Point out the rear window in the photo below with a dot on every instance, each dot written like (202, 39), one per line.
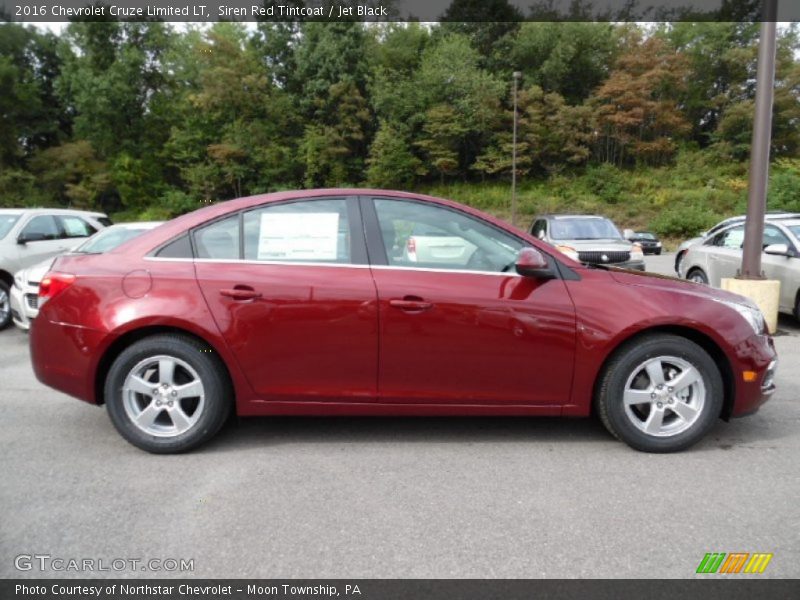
(7, 221)
(104, 221)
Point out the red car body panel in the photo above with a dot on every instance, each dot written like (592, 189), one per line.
(486, 339)
(312, 336)
(333, 340)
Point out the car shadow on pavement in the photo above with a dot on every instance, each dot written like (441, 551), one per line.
(245, 433)
(248, 432)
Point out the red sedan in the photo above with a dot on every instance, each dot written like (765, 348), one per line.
(368, 302)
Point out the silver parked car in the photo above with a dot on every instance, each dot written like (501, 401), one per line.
(590, 239)
(721, 256)
(31, 235)
(681, 251)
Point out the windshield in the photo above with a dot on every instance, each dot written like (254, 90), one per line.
(108, 239)
(7, 221)
(646, 236)
(584, 228)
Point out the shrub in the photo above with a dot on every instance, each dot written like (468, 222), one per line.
(684, 221)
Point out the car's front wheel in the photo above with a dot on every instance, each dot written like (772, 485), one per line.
(660, 393)
(168, 394)
(698, 276)
(5, 305)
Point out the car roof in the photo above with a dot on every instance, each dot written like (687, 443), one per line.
(572, 217)
(58, 211)
(136, 225)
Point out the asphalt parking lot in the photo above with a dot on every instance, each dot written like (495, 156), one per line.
(346, 497)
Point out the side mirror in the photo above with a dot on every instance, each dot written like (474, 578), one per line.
(777, 250)
(532, 263)
(24, 238)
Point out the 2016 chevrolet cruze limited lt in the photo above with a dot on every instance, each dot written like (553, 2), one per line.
(367, 302)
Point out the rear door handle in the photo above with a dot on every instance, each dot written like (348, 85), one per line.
(410, 304)
(240, 292)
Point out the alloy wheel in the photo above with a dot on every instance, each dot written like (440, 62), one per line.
(664, 396)
(163, 396)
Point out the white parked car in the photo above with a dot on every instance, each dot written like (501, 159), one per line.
(681, 251)
(721, 256)
(29, 236)
(24, 295)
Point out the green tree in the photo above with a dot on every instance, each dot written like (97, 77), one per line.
(391, 163)
(571, 59)
(31, 118)
(458, 94)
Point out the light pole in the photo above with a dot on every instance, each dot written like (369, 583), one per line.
(750, 282)
(517, 75)
(759, 151)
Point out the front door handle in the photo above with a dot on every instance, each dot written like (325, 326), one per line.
(410, 304)
(240, 292)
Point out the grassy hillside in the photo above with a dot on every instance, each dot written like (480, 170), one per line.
(676, 201)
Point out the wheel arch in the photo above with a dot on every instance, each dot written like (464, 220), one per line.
(703, 340)
(130, 337)
(6, 277)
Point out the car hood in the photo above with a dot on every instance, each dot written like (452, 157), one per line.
(691, 242)
(666, 282)
(596, 245)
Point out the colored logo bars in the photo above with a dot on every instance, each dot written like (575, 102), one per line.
(736, 562)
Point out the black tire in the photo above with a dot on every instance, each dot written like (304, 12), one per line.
(697, 275)
(625, 363)
(797, 305)
(658, 252)
(5, 305)
(207, 366)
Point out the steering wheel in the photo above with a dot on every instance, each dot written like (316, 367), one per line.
(480, 261)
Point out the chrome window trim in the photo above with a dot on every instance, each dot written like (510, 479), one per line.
(276, 263)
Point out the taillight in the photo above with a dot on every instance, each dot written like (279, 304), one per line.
(411, 249)
(52, 284)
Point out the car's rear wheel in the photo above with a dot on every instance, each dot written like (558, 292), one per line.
(698, 276)
(168, 394)
(661, 393)
(5, 305)
(797, 305)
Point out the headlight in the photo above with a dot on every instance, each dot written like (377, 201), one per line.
(752, 315)
(658, 244)
(568, 251)
(636, 252)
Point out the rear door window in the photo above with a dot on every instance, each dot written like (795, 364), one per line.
(303, 231)
(75, 227)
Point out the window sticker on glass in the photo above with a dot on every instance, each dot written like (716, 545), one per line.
(309, 236)
(735, 239)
